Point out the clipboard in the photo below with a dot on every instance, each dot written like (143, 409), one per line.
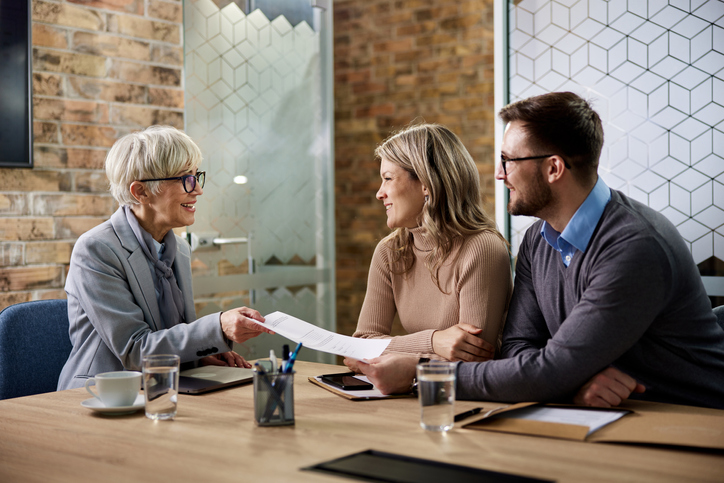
(647, 423)
(365, 395)
(507, 420)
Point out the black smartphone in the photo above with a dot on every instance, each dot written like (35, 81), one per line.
(346, 381)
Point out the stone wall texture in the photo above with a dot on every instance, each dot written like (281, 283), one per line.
(399, 61)
(101, 69)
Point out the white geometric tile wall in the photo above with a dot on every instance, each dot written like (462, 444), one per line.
(655, 73)
(253, 106)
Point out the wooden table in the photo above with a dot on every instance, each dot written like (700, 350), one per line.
(50, 437)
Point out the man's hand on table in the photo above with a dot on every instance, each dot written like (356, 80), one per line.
(390, 373)
(608, 388)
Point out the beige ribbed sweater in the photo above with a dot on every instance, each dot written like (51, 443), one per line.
(476, 276)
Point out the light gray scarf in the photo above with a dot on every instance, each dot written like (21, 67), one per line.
(170, 299)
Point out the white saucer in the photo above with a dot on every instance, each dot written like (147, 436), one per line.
(97, 405)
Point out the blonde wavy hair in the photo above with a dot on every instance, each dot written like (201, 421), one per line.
(435, 156)
(155, 152)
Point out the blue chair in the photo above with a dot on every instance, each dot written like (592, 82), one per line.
(34, 345)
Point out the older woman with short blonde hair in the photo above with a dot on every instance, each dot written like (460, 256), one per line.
(129, 283)
(445, 269)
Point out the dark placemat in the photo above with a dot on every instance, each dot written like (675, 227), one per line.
(376, 466)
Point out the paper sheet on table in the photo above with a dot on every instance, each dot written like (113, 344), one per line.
(582, 417)
(313, 337)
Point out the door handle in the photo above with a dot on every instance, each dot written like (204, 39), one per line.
(229, 241)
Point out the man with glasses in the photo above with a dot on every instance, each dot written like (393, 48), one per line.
(607, 301)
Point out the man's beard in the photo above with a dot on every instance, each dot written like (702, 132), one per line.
(538, 197)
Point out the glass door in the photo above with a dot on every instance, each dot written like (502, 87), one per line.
(258, 83)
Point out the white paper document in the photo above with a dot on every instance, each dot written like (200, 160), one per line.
(582, 417)
(319, 339)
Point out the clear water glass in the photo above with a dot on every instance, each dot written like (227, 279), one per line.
(436, 392)
(160, 385)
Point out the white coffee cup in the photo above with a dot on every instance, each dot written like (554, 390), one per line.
(115, 389)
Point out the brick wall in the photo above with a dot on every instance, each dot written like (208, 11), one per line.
(396, 61)
(104, 68)
(101, 68)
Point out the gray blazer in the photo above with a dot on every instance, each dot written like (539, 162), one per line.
(113, 312)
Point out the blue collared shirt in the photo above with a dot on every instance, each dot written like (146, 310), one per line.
(578, 232)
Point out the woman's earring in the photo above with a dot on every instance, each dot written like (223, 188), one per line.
(427, 198)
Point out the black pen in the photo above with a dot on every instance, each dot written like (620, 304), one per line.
(467, 414)
(285, 357)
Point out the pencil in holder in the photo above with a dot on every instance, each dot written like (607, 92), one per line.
(273, 398)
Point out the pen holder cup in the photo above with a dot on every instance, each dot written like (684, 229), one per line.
(274, 399)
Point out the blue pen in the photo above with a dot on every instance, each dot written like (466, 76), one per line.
(292, 358)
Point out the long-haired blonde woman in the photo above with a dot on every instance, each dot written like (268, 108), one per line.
(445, 268)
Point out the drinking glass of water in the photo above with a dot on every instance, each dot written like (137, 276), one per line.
(436, 391)
(160, 385)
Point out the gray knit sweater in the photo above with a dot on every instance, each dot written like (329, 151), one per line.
(634, 299)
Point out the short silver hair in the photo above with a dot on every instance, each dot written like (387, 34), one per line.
(155, 152)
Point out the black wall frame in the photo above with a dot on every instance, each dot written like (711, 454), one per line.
(16, 125)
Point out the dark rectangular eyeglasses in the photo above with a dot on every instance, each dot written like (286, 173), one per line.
(189, 180)
(504, 160)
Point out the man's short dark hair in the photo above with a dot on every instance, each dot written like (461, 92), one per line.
(561, 123)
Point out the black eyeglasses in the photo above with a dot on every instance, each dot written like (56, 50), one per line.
(503, 160)
(188, 180)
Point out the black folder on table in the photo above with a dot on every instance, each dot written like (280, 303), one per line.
(377, 466)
